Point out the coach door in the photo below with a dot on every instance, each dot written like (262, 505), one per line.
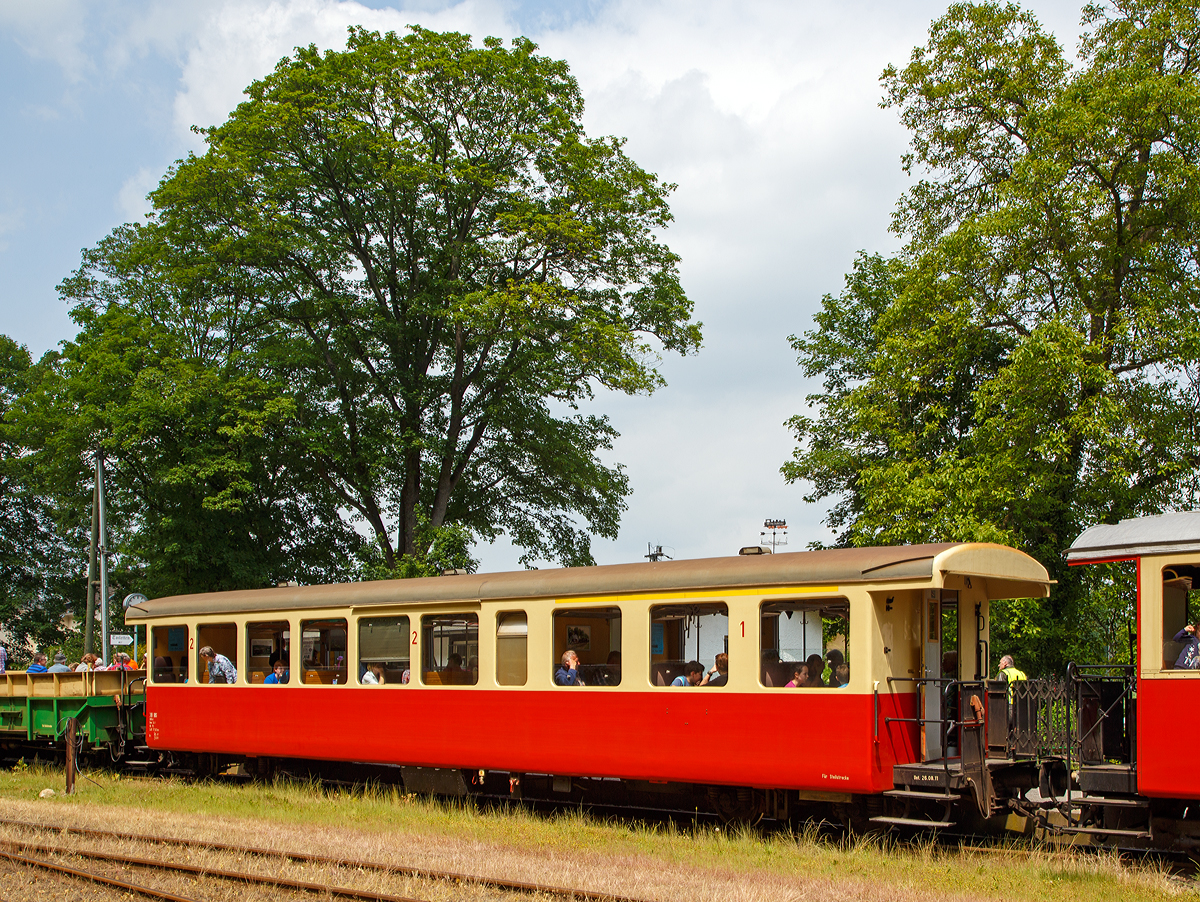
(940, 628)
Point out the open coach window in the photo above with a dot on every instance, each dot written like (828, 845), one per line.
(323, 651)
(684, 637)
(1181, 610)
(594, 635)
(169, 654)
(222, 639)
(806, 643)
(383, 650)
(450, 649)
(267, 642)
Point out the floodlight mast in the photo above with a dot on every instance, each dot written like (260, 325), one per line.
(656, 553)
(778, 530)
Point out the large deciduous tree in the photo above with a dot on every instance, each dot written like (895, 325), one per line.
(36, 581)
(422, 264)
(1029, 363)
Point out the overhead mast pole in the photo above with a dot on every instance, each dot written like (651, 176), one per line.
(102, 554)
(89, 626)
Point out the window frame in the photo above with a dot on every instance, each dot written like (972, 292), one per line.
(667, 667)
(202, 674)
(427, 656)
(398, 681)
(802, 604)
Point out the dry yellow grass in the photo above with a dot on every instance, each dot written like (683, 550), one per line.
(651, 862)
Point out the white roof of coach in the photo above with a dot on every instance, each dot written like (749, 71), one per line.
(1138, 537)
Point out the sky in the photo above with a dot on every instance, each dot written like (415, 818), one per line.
(765, 114)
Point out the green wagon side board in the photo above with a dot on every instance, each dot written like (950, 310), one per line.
(36, 707)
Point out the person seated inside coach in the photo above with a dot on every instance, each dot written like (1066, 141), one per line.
(612, 673)
(799, 676)
(374, 675)
(278, 675)
(568, 671)
(841, 676)
(693, 675)
(816, 666)
(719, 675)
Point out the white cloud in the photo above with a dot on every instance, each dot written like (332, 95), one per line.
(12, 219)
(764, 112)
(51, 30)
(243, 41)
(131, 199)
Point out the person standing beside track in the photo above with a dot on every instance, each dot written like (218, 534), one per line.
(218, 664)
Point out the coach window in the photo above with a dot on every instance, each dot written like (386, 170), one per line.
(805, 643)
(169, 652)
(684, 637)
(222, 639)
(267, 641)
(1180, 611)
(383, 649)
(323, 651)
(594, 634)
(512, 648)
(450, 649)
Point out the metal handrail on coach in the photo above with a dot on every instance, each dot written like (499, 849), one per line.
(944, 723)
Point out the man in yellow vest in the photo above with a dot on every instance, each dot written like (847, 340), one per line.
(1009, 672)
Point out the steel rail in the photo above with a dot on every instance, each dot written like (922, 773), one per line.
(205, 871)
(424, 873)
(97, 878)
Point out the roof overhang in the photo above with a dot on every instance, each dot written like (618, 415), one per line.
(1175, 533)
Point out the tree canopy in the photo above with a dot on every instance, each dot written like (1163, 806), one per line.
(1029, 363)
(369, 308)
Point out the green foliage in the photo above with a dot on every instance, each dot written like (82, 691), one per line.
(367, 304)
(36, 574)
(1028, 365)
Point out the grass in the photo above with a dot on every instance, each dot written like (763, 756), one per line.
(653, 861)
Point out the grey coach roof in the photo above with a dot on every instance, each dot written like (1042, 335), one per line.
(1006, 566)
(1164, 534)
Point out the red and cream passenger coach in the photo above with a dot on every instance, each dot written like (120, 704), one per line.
(464, 668)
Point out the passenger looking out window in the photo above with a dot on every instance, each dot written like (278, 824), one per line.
(220, 668)
(1181, 620)
(719, 675)
(221, 641)
(374, 675)
(278, 675)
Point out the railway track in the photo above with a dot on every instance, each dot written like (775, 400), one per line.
(17, 846)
